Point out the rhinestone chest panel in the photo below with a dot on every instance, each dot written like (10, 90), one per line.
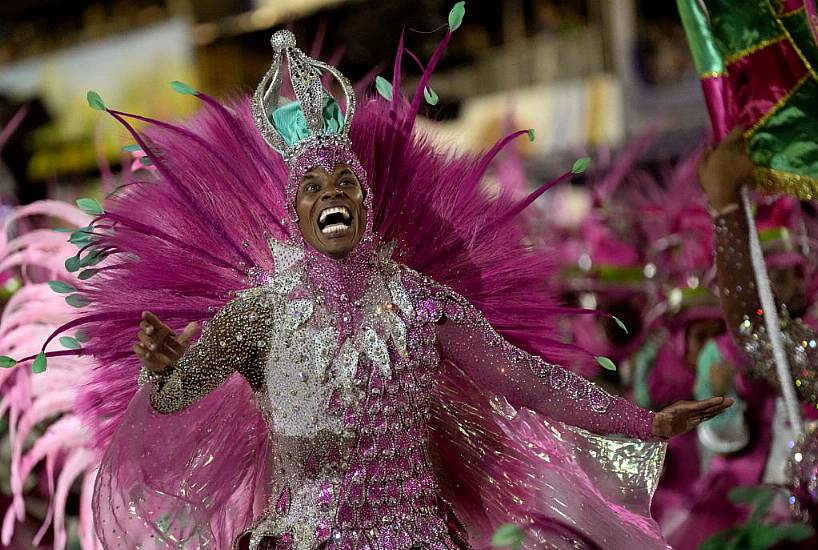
(349, 421)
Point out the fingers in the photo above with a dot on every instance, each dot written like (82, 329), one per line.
(166, 347)
(153, 321)
(708, 403)
(159, 346)
(686, 415)
(717, 403)
(176, 345)
(155, 362)
(713, 410)
(148, 342)
(187, 333)
(706, 414)
(702, 419)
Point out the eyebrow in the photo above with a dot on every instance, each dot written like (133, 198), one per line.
(345, 171)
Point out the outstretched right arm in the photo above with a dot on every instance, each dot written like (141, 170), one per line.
(232, 341)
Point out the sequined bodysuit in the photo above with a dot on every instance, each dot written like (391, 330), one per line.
(347, 399)
(742, 309)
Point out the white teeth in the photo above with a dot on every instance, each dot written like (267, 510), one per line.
(334, 228)
(334, 210)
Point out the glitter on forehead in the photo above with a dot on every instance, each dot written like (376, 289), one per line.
(326, 156)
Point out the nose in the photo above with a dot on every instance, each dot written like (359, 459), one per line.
(330, 193)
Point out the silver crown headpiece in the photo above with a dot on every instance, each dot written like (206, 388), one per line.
(305, 76)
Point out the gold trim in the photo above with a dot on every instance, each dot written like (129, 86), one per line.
(790, 13)
(775, 108)
(712, 74)
(776, 181)
(752, 49)
(781, 24)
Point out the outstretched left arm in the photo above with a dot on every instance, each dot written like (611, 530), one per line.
(530, 381)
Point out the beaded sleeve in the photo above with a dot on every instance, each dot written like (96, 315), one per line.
(233, 341)
(744, 315)
(529, 381)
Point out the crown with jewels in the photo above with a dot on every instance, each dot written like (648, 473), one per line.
(314, 118)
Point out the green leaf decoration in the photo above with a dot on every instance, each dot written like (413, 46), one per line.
(750, 494)
(81, 336)
(430, 96)
(92, 258)
(605, 363)
(384, 87)
(614, 273)
(508, 535)
(762, 506)
(94, 101)
(132, 148)
(12, 285)
(754, 534)
(81, 239)
(40, 363)
(774, 234)
(82, 236)
(6, 362)
(620, 324)
(70, 343)
(580, 165)
(90, 206)
(77, 300)
(456, 16)
(87, 274)
(765, 537)
(531, 135)
(145, 161)
(64, 230)
(72, 264)
(183, 88)
(61, 288)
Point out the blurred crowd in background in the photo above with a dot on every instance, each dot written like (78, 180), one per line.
(608, 79)
(585, 74)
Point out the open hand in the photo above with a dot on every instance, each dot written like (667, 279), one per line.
(724, 169)
(683, 416)
(159, 346)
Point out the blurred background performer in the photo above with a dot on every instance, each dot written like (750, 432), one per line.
(773, 116)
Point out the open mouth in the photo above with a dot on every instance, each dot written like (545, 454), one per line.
(334, 220)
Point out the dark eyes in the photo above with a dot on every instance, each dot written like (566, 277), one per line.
(315, 187)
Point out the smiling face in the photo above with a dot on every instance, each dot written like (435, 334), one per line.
(331, 211)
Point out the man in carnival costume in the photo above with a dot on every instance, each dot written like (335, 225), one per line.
(367, 389)
(723, 172)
